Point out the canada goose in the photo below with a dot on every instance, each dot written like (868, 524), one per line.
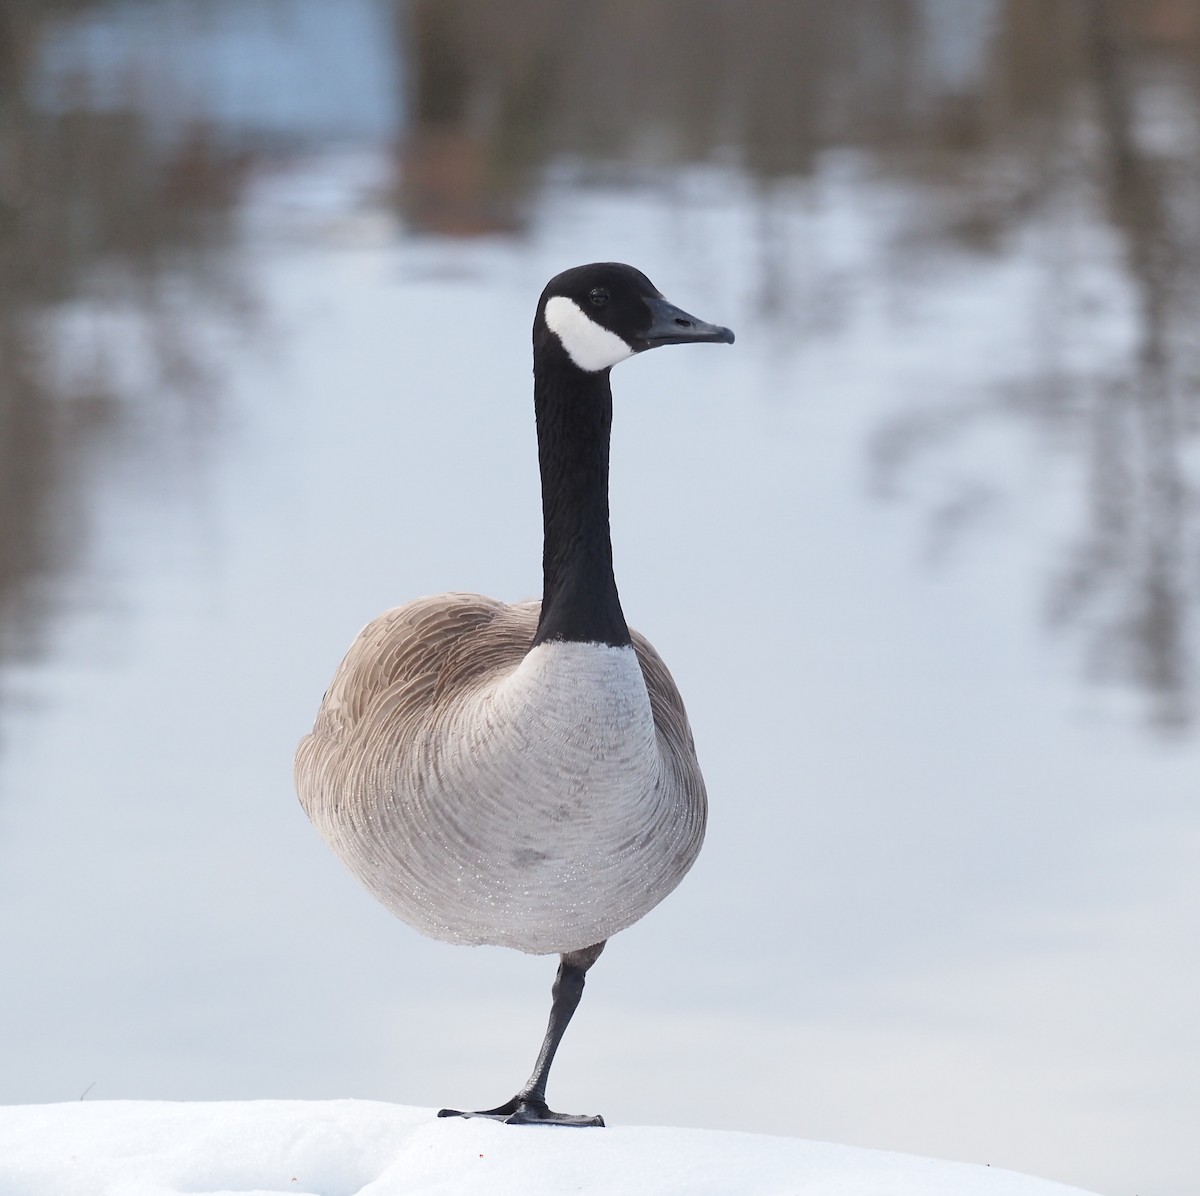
(524, 775)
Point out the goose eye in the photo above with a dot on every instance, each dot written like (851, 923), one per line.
(599, 297)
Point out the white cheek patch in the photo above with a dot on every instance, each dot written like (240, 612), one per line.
(589, 346)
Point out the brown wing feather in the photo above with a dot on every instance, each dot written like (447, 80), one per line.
(412, 650)
(391, 680)
(670, 717)
(418, 652)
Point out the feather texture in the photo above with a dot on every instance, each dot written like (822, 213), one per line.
(486, 792)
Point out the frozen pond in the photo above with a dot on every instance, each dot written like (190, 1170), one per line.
(920, 550)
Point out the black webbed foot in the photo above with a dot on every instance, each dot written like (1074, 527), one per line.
(529, 1106)
(526, 1110)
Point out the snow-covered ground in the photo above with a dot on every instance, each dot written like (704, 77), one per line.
(344, 1148)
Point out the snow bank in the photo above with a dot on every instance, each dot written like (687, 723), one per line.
(364, 1148)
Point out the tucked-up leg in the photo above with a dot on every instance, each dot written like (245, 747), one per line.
(529, 1107)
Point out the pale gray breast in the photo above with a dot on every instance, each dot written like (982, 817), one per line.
(540, 800)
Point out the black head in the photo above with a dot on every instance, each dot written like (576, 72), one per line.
(604, 312)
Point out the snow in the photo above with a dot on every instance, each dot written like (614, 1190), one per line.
(367, 1148)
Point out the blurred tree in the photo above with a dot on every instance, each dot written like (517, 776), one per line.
(1001, 117)
(95, 215)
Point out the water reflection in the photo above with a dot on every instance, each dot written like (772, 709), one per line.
(110, 248)
(1104, 127)
(1004, 122)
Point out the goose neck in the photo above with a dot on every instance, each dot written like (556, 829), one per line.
(574, 423)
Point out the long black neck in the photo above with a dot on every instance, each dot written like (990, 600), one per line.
(574, 422)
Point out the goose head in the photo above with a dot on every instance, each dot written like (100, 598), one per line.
(602, 313)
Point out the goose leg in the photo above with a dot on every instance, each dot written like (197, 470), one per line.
(529, 1106)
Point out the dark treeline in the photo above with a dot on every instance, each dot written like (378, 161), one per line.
(96, 215)
(1002, 117)
(999, 117)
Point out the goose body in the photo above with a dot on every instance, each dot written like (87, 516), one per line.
(524, 775)
(486, 792)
